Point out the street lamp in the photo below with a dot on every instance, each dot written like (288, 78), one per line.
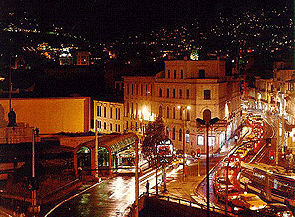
(207, 122)
(183, 140)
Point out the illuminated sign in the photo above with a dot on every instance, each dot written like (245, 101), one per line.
(165, 148)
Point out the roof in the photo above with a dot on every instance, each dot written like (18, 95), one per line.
(114, 142)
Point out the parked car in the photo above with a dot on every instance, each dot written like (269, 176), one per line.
(276, 209)
(248, 201)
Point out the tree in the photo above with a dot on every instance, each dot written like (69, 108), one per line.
(155, 133)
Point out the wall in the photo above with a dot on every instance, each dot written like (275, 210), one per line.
(50, 115)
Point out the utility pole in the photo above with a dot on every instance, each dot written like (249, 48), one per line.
(34, 192)
(136, 179)
(96, 149)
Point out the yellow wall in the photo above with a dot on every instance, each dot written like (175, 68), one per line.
(50, 115)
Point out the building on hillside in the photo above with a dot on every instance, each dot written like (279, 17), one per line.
(108, 117)
(50, 115)
(180, 94)
(82, 58)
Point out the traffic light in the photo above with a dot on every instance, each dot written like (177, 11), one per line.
(33, 184)
(271, 154)
(198, 152)
(268, 142)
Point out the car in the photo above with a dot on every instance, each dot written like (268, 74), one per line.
(242, 152)
(220, 183)
(232, 193)
(276, 209)
(248, 201)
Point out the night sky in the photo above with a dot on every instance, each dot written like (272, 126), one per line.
(110, 18)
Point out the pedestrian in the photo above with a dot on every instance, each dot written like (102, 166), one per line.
(80, 172)
(147, 187)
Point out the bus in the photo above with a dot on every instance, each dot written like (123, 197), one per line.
(268, 181)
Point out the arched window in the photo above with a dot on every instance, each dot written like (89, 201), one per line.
(180, 135)
(167, 112)
(160, 92)
(173, 133)
(160, 111)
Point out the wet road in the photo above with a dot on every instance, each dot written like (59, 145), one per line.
(109, 198)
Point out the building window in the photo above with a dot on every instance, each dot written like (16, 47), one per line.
(180, 135)
(119, 114)
(187, 136)
(132, 89)
(160, 111)
(160, 92)
(174, 73)
(168, 73)
(188, 115)
(146, 89)
(111, 112)
(127, 125)
(180, 113)
(187, 93)
(99, 111)
(111, 127)
(201, 73)
(167, 92)
(151, 89)
(119, 129)
(136, 89)
(181, 74)
(105, 125)
(167, 112)
(180, 93)
(207, 94)
(173, 93)
(105, 111)
(174, 112)
(173, 133)
(141, 89)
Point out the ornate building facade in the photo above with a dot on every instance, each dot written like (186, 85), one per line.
(180, 94)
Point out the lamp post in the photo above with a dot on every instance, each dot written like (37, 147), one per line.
(207, 122)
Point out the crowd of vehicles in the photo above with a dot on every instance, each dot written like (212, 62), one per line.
(247, 187)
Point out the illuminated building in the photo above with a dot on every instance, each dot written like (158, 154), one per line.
(276, 96)
(180, 94)
(108, 116)
(82, 58)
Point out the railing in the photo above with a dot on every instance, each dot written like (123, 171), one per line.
(191, 204)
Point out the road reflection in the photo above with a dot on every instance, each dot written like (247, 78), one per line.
(110, 198)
